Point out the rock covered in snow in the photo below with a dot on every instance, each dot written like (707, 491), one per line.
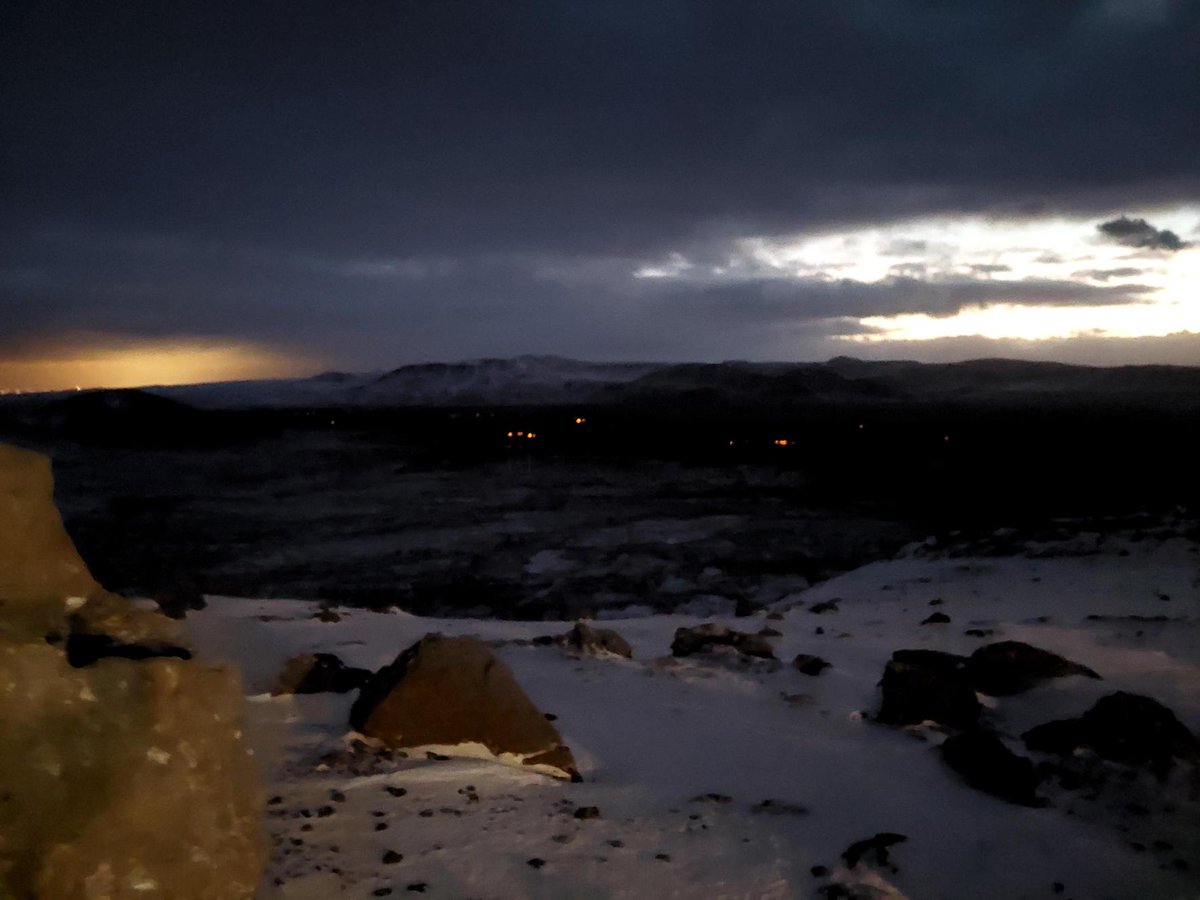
(703, 638)
(317, 673)
(447, 692)
(125, 774)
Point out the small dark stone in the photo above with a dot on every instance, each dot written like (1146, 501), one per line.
(936, 601)
(819, 871)
(616, 842)
(828, 606)
(337, 796)
(587, 812)
(979, 632)
(665, 857)
(1011, 667)
(535, 863)
(425, 813)
(382, 892)
(550, 717)
(396, 791)
(808, 664)
(938, 618)
(712, 798)
(391, 857)
(1058, 887)
(307, 826)
(381, 826)
(436, 757)
(878, 845)
(325, 811)
(417, 887)
(275, 801)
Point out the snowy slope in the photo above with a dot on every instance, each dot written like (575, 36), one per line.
(654, 733)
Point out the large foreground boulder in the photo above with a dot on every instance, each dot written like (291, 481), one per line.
(452, 693)
(122, 768)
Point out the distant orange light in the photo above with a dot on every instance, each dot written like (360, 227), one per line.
(510, 434)
(781, 443)
(531, 435)
(579, 420)
(520, 434)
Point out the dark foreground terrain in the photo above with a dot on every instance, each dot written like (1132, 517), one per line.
(561, 510)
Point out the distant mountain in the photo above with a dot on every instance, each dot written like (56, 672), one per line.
(549, 380)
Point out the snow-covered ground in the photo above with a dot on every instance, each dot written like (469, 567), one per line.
(715, 778)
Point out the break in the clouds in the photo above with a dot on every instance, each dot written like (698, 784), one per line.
(1140, 233)
(371, 184)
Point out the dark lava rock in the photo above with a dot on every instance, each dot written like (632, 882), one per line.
(827, 606)
(391, 857)
(1010, 667)
(986, 764)
(878, 845)
(921, 685)
(417, 887)
(808, 664)
(938, 618)
(587, 812)
(318, 673)
(583, 638)
(535, 863)
(702, 638)
(1125, 728)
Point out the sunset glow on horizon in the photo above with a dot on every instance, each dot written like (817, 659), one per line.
(144, 363)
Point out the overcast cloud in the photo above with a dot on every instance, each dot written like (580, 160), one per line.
(389, 182)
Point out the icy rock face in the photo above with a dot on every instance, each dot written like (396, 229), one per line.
(449, 692)
(124, 775)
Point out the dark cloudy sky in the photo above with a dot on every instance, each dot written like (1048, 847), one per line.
(305, 184)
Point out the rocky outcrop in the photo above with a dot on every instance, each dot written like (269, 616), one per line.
(986, 764)
(318, 673)
(927, 685)
(453, 693)
(1011, 667)
(124, 773)
(704, 638)
(1125, 728)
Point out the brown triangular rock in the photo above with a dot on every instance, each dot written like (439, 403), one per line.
(450, 691)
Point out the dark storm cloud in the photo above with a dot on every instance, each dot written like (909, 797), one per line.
(258, 152)
(1140, 233)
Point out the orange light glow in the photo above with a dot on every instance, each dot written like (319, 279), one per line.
(120, 363)
(782, 442)
(579, 420)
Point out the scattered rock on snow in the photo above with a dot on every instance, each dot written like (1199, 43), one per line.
(317, 673)
(927, 685)
(703, 638)
(449, 691)
(937, 618)
(989, 766)
(584, 638)
(1010, 667)
(1122, 727)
